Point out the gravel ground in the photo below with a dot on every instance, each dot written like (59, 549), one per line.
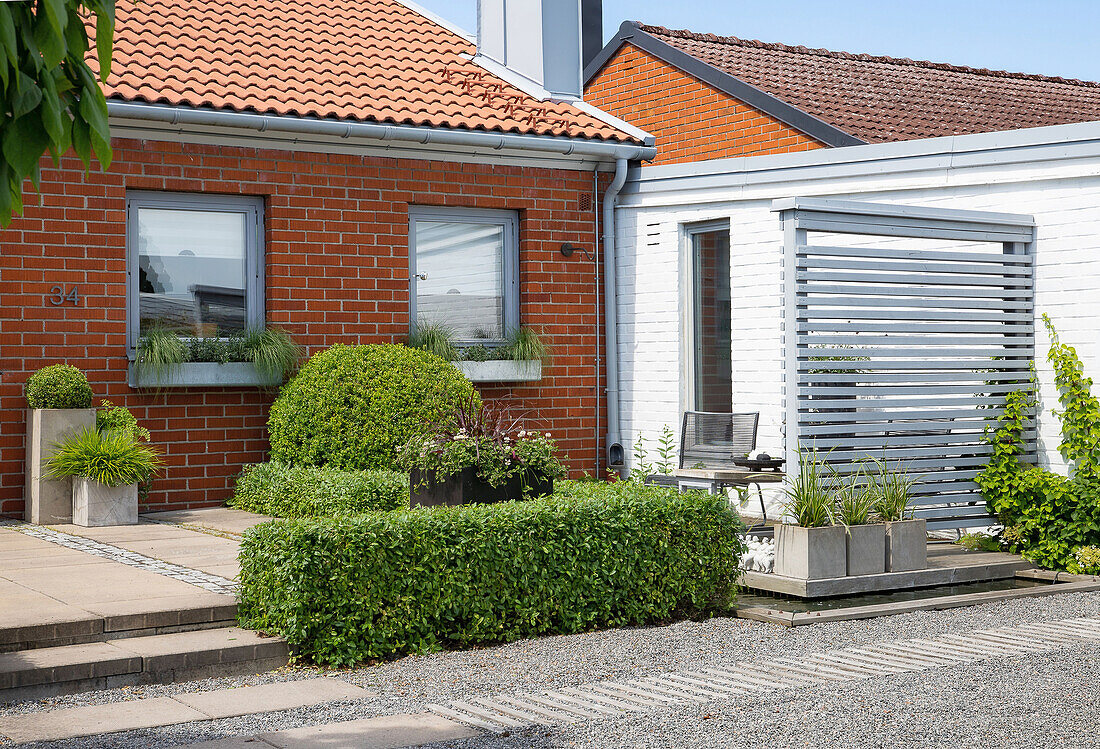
(404, 685)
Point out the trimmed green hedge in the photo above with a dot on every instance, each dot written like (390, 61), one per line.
(286, 491)
(346, 590)
(58, 386)
(352, 406)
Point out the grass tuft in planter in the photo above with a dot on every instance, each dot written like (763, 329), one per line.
(906, 538)
(813, 548)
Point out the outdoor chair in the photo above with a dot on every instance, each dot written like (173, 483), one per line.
(709, 443)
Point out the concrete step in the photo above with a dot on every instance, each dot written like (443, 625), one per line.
(118, 620)
(179, 656)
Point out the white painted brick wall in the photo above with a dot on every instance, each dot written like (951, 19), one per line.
(1062, 194)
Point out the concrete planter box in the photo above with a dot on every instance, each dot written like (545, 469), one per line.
(96, 504)
(49, 501)
(906, 545)
(810, 553)
(465, 488)
(500, 371)
(866, 549)
(205, 374)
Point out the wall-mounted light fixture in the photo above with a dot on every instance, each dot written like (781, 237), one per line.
(567, 250)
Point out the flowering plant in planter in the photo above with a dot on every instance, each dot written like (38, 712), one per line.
(486, 441)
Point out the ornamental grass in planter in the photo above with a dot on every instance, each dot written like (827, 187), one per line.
(480, 455)
(906, 538)
(167, 357)
(812, 548)
(866, 539)
(106, 468)
(59, 401)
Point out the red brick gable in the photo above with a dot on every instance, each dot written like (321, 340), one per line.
(690, 119)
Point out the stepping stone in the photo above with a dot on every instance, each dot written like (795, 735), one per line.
(91, 720)
(387, 732)
(266, 698)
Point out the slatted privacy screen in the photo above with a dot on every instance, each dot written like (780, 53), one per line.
(905, 328)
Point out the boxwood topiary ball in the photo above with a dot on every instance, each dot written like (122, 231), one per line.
(351, 406)
(58, 386)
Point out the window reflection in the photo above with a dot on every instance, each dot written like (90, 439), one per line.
(191, 271)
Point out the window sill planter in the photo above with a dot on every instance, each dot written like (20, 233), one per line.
(47, 500)
(96, 504)
(906, 545)
(501, 371)
(810, 553)
(427, 489)
(866, 549)
(205, 374)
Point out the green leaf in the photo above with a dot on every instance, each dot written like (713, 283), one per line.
(52, 117)
(27, 95)
(7, 35)
(50, 40)
(25, 141)
(93, 108)
(56, 13)
(104, 37)
(82, 141)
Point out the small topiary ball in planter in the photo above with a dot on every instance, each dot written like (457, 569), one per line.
(58, 386)
(351, 406)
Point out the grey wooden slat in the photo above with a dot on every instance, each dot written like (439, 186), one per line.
(929, 315)
(953, 441)
(880, 428)
(810, 223)
(811, 338)
(967, 511)
(870, 366)
(953, 524)
(811, 299)
(914, 290)
(948, 454)
(880, 278)
(965, 352)
(898, 416)
(885, 391)
(852, 378)
(915, 267)
(887, 253)
(879, 405)
(914, 327)
(925, 465)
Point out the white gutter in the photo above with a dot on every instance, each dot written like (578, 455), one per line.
(616, 455)
(181, 116)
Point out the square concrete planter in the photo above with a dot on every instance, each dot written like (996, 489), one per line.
(906, 545)
(866, 549)
(500, 371)
(48, 501)
(810, 553)
(96, 504)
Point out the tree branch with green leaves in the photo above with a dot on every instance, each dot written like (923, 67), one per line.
(50, 98)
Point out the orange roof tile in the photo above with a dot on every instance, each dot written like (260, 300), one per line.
(367, 60)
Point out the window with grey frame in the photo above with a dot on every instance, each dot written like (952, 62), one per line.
(712, 317)
(464, 270)
(194, 263)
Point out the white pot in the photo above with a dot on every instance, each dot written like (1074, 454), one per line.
(96, 504)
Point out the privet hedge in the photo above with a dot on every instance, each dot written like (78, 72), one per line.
(1049, 517)
(351, 406)
(58, 386)
(287, 491)
(347, 590)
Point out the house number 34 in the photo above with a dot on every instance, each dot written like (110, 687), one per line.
(57, 296)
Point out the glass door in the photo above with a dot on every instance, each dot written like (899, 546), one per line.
(713, 319)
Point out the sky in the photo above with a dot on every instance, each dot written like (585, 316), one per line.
(1052, 37)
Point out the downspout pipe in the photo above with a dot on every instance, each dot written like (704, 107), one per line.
(616, 454)
(184, 117)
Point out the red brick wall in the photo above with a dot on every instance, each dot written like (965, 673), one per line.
(337, 272)
(690, 119)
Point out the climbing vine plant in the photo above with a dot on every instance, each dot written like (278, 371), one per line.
(1048, 517)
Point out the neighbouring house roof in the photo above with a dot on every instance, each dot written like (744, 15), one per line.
(864, 97)
(364, 60)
